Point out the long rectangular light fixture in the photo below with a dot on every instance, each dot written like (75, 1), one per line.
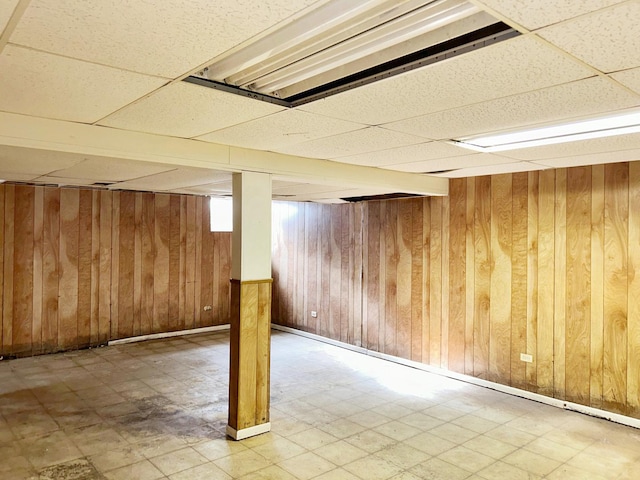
(605, 126)
(341, 38)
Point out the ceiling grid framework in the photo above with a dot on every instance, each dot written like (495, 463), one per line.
(117, 70)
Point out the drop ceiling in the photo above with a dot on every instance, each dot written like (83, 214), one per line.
(119, 66)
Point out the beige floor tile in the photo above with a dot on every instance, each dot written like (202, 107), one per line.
(370, 441)
(436, 469)
(443, 412)
(144, 470)
(49, 450)
(531, 462)
(504, 471)
(405, 476)
(368, 419)
(342, 428)
(397, 430)
(372, 468)
(467, 459)
(307, 465)
(475, 424)
(547, 448)
(402, 455)
(392, 410)
(453, 433)
(218, 448)
(242, 463)
(207, 471)
(490, 446)
(279, 449)
(429, 443)
(340, 453)
(509, 435)
(179, 460)
(117, 458)
(600, 462)
(568, 472)
(312, 438)
(421, 420)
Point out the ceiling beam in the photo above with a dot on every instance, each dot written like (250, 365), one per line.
(62, 136)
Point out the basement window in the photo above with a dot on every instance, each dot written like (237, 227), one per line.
(345, 44)
(221, 214)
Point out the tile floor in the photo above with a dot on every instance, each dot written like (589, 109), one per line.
(157, 410)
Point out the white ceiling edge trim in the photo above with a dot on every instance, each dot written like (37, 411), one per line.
(62, 136)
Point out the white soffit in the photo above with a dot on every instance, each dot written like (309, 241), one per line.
(540, 13)
(629, 78)
(584, 147)
(45, 85)
(570, 100)
(609, 39)
(288, 127)
(187, 110)
(165, 38)
(351, 143)
(494, 170)
(302, 189)
(29, 161)
(103, 169)
(513, 66)
(6, 10)
(176, 179)
(220, 189)
(592, 159)
(452, 163)
(401, 155)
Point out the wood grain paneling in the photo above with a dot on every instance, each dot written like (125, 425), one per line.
(80, 267)
(542, 263)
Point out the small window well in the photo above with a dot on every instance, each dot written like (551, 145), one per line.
(344, 44)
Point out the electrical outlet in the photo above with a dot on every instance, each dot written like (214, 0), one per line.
(208, 308)
(314, 314)
(525, 357)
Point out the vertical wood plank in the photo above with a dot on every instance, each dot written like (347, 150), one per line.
(84, 267)
(182, 283)
(50, 268)
(390, 229)
(616, 216)
(560, 299)
(335, 285)
(417, 297)
(578, 309)
(148, 254)
(197, 287)
(501, 275)
(37, 297)
(206, 270)
(2, 269)
(597, 284)
(126, 260)
(137, 263)
(373, 275)
(94, 338)
(115, 264)
(435, 282)
(403, 279)
(532, 280)
(8, 276)
(426, 279)
(23, 270)
(358, 253)
(444, 342)
(470, 196)
(457, 274)
(633, 338)
(68, 286)
(162, 228)
(546, 276)
(104, 307)
(174, 264)
(519, 279)
(482, 307)
(190, 266)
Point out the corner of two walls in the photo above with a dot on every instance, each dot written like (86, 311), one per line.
(80, 267)
(541, 263)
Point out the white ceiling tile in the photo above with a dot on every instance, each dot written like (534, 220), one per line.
(570, 100)
(609, 39)
(533, 15)
(218, 189)
(6, 10)
(452, 163)
(165, 38)
(509, 67)
(592, 159)
(187, 110)
(412, 153)
(629, 78)
(17, 177)
(177, 179)
(584, 147)
(44, 85)
(103, 169)
(494, 170)
(299, 189)
(33, 161)
(62, 181)
(287, 127)
(351, 143)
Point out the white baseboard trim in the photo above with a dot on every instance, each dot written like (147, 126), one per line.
(594, 412)
(179, 333)
(248, 432)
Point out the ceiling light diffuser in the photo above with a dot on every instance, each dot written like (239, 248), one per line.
(607, 126)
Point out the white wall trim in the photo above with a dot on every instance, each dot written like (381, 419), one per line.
(591, 411)
(179, 333)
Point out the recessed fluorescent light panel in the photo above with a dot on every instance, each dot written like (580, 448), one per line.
(344, 44)
(607, 126)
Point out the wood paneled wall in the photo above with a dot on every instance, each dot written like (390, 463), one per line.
(81, 267)
(542, 263)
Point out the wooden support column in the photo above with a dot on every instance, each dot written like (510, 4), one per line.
(250, 306)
